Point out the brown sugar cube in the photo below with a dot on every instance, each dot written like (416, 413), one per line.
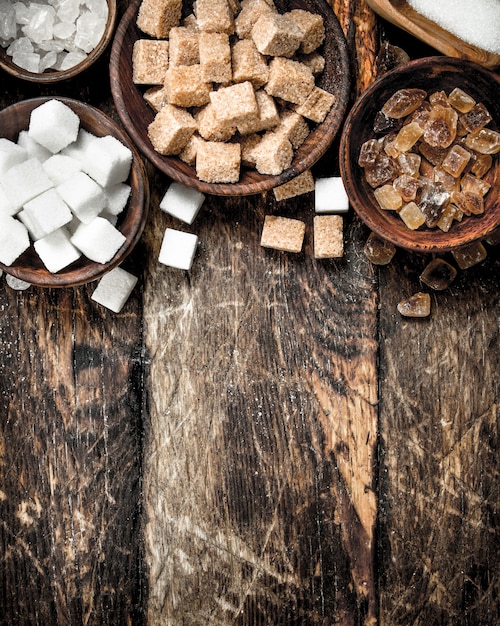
(314, 61)
(214, 16)
(301, 184)
(157, 17)
(317, 105)
(273, 154)
(289, 80)
(276, 35)
(251, 11)
(328, 236)
(215, 57)
(210, 127)
(312, 28)
(249, 64)
(188, 153)
(294, 127)
(184, 46)
(235, 103)
(248, 145)
(218, 162)
(282, 233)
(185, 86)
(156, 97)
(266, 118)
(171, 129)
(149, 61)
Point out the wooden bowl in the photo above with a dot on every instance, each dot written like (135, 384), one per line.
(400, 13)
(131, 222)
(431, 74)
(136, 115)
(53, 76)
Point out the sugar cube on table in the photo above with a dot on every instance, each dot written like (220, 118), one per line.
(54, 125)
(283, 233)
(182, 202)
(107, 161)
(83, 196)
(330, 195)
(56, 250)
(114, 289)
(14, 239)
(10, 154)
(117, 197)
(99, 240)
(60, 167)
(178, 249)
(47, 212)
(328, 236)
(24, 181)
(301, 184)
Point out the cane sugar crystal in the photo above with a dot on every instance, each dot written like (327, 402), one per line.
(108, 161)
(83, 195)
(218, 162)
(60, 167)
(10, 154)
(289, 80)
(117, 197)
(48, 212)
(24, 181)
(157, 17)
(56, 250)
(412, 216)
(378, 250)
(14, 239)
(171, 129)
(98, 240)
(283, 233)
(301, 184)
(330, 195)
(150, 61)
(438, 274)
(417, 305)
(182, 202)
(54, 125)
(328, 236)
(114, 289)
(178, 249)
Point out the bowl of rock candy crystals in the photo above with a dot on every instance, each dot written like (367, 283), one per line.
(53, 40)
(419, 154)
(231, 98)
(73, 192)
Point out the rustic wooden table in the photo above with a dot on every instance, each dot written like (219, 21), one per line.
(262, 440)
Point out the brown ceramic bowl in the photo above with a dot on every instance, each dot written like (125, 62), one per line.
(431, 74)
(136, 114)
(52, 76)
(131, 222)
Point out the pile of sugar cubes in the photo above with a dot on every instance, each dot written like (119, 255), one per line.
(51, 34)
(62, 189)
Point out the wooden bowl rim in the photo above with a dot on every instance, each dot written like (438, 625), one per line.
(131, 221)
(185, 174)
(50, 77)
(384, 224)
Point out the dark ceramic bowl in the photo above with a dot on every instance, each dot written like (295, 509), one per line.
(431, 74)
(136, 114)
(28, 266)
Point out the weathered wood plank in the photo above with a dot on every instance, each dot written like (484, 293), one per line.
(439, 418)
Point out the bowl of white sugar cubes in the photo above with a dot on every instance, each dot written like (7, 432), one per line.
(73, 192)
(231, 98)
(53, 40)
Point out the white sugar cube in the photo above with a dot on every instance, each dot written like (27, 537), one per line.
(330, 195)
(10, 154)
(34, 230)
(117, 197)
(60, 167)
(83, 196)
(6, 207)
(24, 181)
(114, 289)
(56, 250)
(99, 240)
(107, 161)
(178, 249)
(16, 283)
(78, 147)
(14, 239)
(32, 147)
(182, 202)
(47, 212)
(54, 125)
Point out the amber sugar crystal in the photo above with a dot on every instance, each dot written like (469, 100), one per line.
(438, 274)
(417, 305)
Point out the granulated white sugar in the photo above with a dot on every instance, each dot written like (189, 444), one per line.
(477, 23)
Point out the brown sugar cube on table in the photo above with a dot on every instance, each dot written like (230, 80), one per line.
(218, 162)
(184, 46)
(283, 233)
(171, 129)
(157, 17)
(215, 57)
(301, 184)
(328, 236)
(150, 61)
(185, 86)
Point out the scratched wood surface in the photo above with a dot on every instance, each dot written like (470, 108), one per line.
(260, 441)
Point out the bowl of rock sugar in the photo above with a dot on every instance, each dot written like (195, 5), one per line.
(420, 154)
(74, 193)
(50, 41)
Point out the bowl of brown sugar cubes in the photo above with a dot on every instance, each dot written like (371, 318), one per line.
(231, 98)
(53, 40)
(74, 193)
(419, 154)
